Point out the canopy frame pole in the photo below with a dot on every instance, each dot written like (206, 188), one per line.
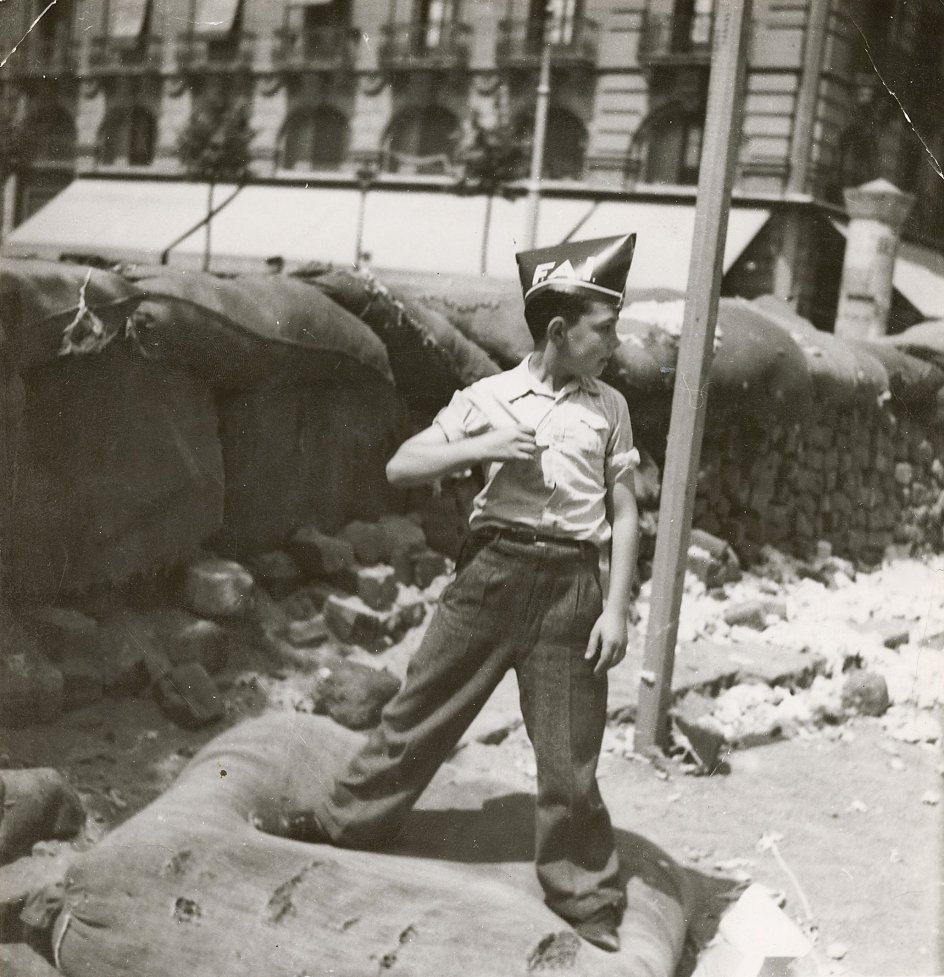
(687, 425)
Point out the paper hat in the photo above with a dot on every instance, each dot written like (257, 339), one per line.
(595, 268)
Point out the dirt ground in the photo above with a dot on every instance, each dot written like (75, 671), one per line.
(843, 820)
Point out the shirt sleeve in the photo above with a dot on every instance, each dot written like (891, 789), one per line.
(461, 418)
(622, 457)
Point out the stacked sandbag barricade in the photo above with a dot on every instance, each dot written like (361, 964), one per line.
(163, 430)
(808, 439)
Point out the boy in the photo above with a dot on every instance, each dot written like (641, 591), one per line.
(557, 448)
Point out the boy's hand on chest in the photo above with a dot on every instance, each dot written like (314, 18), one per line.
(516, 442)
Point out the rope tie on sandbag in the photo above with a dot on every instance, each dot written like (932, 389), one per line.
(57, 945)
(92, 341)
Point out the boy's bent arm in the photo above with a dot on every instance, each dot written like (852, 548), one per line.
(430, 454)
(609, 635)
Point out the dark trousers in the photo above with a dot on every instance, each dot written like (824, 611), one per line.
(514, 605)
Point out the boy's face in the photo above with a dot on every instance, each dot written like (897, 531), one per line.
(588, 344)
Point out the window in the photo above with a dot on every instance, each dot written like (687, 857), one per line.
(667, 148)
(858, 157)
(314, 138)
(431, 18)
(141, 137)
(53, 30)
(127, 137)
(318, 16)
(928, 211)
(565, 143)
(692, 24)
(54, 131)
(558, 17)
(421, 139)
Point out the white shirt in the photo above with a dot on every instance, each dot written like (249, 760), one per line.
(585, 445)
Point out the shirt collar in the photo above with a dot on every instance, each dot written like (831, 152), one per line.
(522, 381)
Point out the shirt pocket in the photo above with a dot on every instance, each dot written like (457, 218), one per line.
(585, 434)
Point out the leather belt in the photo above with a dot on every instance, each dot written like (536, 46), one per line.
(519, 534)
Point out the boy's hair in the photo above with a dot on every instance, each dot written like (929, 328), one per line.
(550, 303)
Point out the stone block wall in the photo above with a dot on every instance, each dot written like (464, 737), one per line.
(860, 479)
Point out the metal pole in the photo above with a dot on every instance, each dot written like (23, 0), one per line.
(540, 132)
(687, 425)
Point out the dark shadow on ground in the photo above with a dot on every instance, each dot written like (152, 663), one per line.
(502, 830)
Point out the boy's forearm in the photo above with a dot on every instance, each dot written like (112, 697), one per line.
(624, 550)
(417, 464)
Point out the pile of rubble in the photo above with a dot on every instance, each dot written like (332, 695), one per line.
(877, 639)
(307, 604)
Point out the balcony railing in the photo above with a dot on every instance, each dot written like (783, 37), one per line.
(428, 46)
(322, 49)
(681, 39)
(109, 55)
(573, 43)
(197, 53)
(39, 58)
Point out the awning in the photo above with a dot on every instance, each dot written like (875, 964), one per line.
(664, 237)
(126, 19)
(214, 16)
(132, 220)
(296, 223)
(406, 229)
(919, 276)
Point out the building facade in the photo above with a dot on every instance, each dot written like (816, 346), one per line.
(838, 92)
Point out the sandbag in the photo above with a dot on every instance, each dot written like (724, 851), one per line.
(429, 357)
(489, 312)
(187, 886)
(843, 375)
(42, 299)
(757, 368)
(644, 364)
(236, 332)
(297, 453)
(119, 472)
(913, 380)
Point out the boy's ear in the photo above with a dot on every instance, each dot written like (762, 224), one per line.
(556, 329)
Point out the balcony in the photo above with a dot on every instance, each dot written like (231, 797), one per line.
(427, 47)
(208, 54)
(40, 58)
(573, 44)
(676, 40)
(321, 49)
(112, 56)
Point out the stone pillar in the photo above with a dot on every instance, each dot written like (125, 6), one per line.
(877, 211)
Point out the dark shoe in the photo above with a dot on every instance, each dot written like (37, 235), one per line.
(297, 825)
(601, 928)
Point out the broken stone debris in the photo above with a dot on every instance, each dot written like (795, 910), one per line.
(377, 586)
(59, 658)
(277, 571)
(35, 805)
(321, 555)
(865, 693)
(188, 696)
(307, 631)
(218, 588)
(367, 540)
(352, 694)
(712, 560)
(31, 687)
